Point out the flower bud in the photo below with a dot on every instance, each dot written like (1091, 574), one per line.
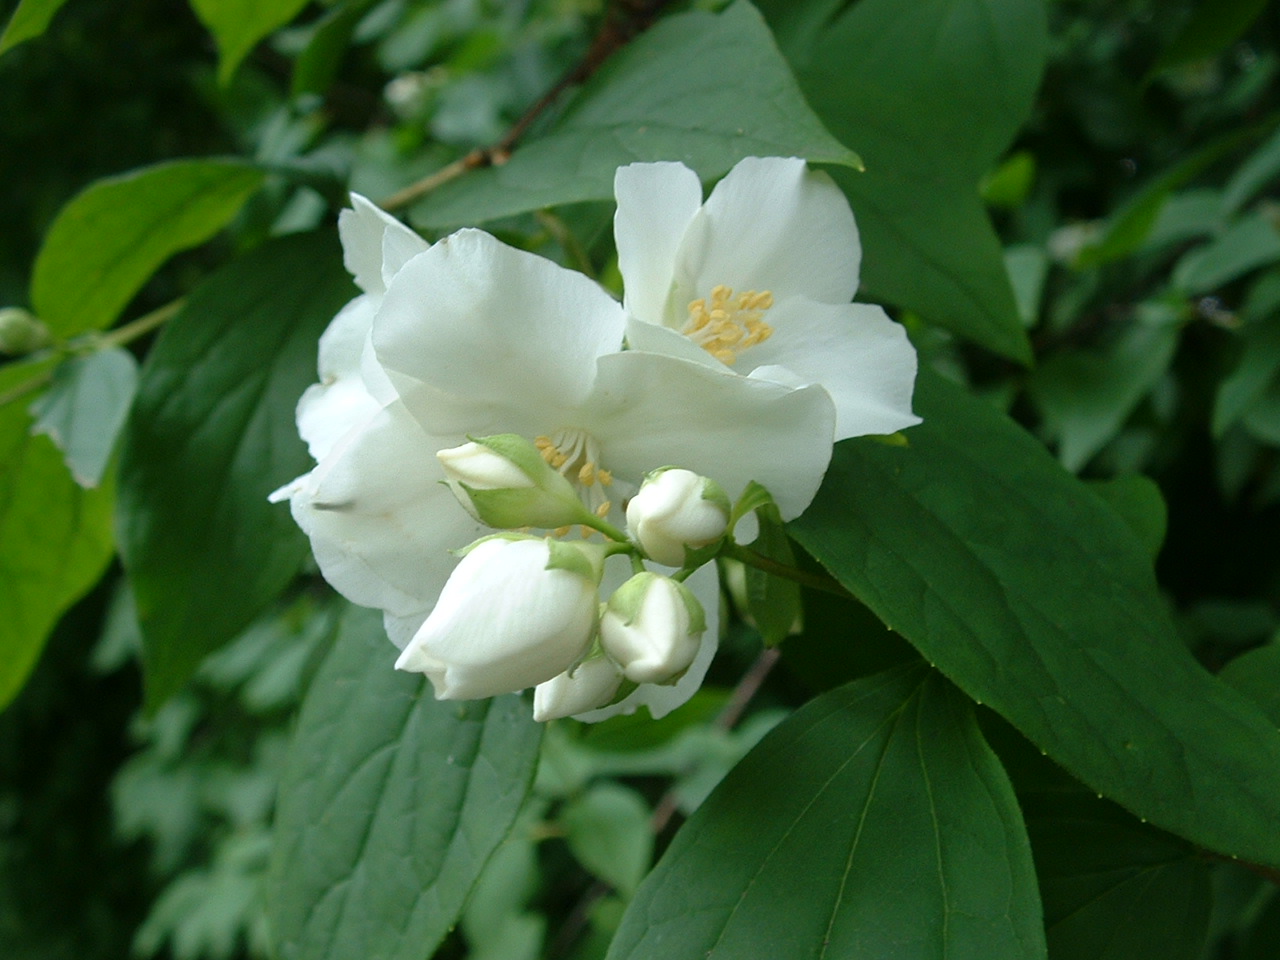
(21, 332)
(590, 684)
(516, 612)
(651, 627)
(677, 510)
(504, 482)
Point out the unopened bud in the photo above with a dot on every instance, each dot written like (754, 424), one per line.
(503, 481)
(21, 332)
(677, 510)
(589, 685)
(651, 627)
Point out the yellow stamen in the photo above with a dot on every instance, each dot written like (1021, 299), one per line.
(725, 325)
(602, 511)
(587, 475)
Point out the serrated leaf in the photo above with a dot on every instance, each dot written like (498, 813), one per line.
(56, 539)
(30, 19)
(1031, 594)
(929, 125)
(875, 822)
(212, 434)
(109, 239)
(390, 805)
(238, 25)
(656, 99)
(85, 407)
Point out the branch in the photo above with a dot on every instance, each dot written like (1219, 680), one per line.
(624, 21)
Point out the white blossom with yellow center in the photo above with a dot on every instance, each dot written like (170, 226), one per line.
(474, 338)
(759, 279)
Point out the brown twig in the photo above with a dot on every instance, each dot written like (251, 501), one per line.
(624, 21)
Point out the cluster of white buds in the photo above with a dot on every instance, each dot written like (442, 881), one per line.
(524, 611)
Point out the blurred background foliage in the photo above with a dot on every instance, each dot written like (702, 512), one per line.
(1142, 238)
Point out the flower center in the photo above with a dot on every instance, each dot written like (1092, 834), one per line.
(576, 455)
(725, 325)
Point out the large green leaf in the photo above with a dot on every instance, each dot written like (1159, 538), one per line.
(212, 434)
(238, 25)
(1036, 598)
(55, 538)
(390, 805)
(706, 89)
(109, 239)
(931, 92)
(875, 822)
(29, 20)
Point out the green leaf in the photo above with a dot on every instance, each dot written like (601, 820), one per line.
(212, 435)
(1114, 888)
(931, 92)
(110, 238)
(774, 603)
(1086, 396)
(56, 537)
(875, 822)
(607, 828)
(1138, 501)
(705, 89)
(1257, 369)
(1251, 242)
(238, 25)
(1034, 596)
(1132, 225)
(390, 805)
(29, 20)
(1256, 674)
(1261, 168)
(85, 407)
(319, 61)
(1212, 27)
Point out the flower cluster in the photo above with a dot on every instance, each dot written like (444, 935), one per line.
(474, 387)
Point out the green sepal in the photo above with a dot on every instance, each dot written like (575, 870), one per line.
(628, 598)
(584, 559)
(523, 507)
(753, 497)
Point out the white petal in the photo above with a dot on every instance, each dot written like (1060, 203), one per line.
(656, 202)
(381, 525)
(362, 230)
(651, 411)
(651, 338)
(340, 401)
(772, 224)
(660, 699)
(860, 356)
(480, 320)
(593, 681)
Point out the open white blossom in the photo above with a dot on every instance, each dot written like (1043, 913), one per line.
(476, 338)
(759, 280)
(375, 246)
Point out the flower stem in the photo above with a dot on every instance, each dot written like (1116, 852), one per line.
(816, 581)
(93, 343)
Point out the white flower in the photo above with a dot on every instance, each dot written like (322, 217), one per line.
(476, 338)
(587, 686)
(651, 628)
(759, 278)
(515, 613)
(375, 245)
(677, 510)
